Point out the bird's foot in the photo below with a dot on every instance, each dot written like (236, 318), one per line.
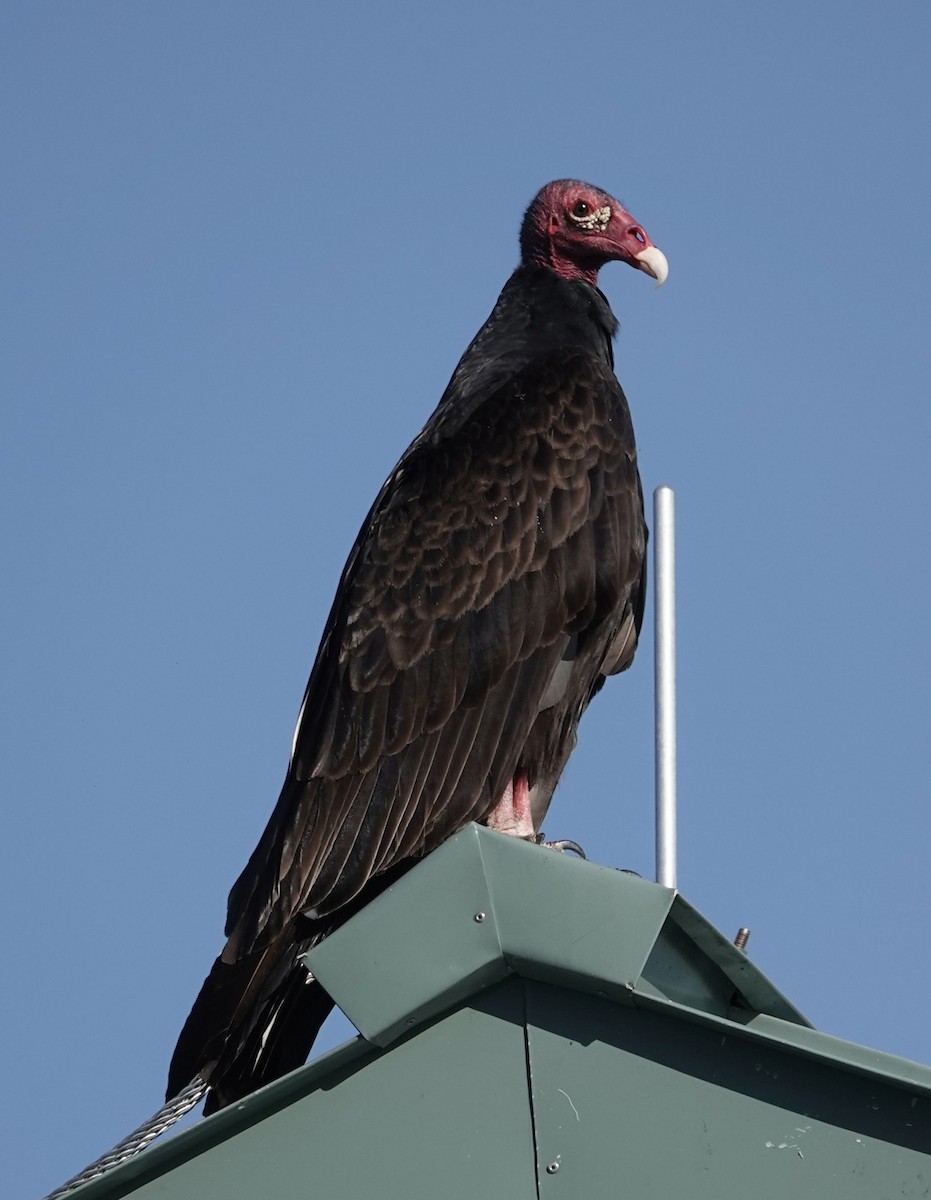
(563, 845)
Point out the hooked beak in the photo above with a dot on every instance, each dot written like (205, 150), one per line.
(653, 261)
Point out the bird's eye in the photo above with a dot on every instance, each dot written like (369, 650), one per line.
(580, 209)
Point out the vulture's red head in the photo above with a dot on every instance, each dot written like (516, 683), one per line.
(574, 229)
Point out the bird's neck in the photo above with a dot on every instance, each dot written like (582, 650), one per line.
(546, 256)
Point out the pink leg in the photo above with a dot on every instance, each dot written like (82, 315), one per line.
(512, 812)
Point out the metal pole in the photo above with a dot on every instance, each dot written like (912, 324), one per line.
(664, 566)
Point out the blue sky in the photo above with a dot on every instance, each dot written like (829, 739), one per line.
(244, 247)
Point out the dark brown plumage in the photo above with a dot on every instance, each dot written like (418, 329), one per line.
(496, 581)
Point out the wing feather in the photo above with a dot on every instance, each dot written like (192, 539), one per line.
(466, 569)
(495, 577)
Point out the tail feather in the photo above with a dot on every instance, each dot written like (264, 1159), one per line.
(207, 1028)
(256, 1018)
(279, 1041)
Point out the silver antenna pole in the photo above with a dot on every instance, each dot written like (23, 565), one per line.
(664, 566)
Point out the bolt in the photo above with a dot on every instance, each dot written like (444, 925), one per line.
(552, 1168)
(478, 918)
(743, 936)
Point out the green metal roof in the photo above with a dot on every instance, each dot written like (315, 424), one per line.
(533, 1025)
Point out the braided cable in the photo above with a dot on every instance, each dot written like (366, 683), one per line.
(169, 1114)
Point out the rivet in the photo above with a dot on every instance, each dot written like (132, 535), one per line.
(552, 1168)
(478, 918)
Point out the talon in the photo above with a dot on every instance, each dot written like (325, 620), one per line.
(563, 845)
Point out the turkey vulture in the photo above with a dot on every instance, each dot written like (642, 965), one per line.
(496, 581)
